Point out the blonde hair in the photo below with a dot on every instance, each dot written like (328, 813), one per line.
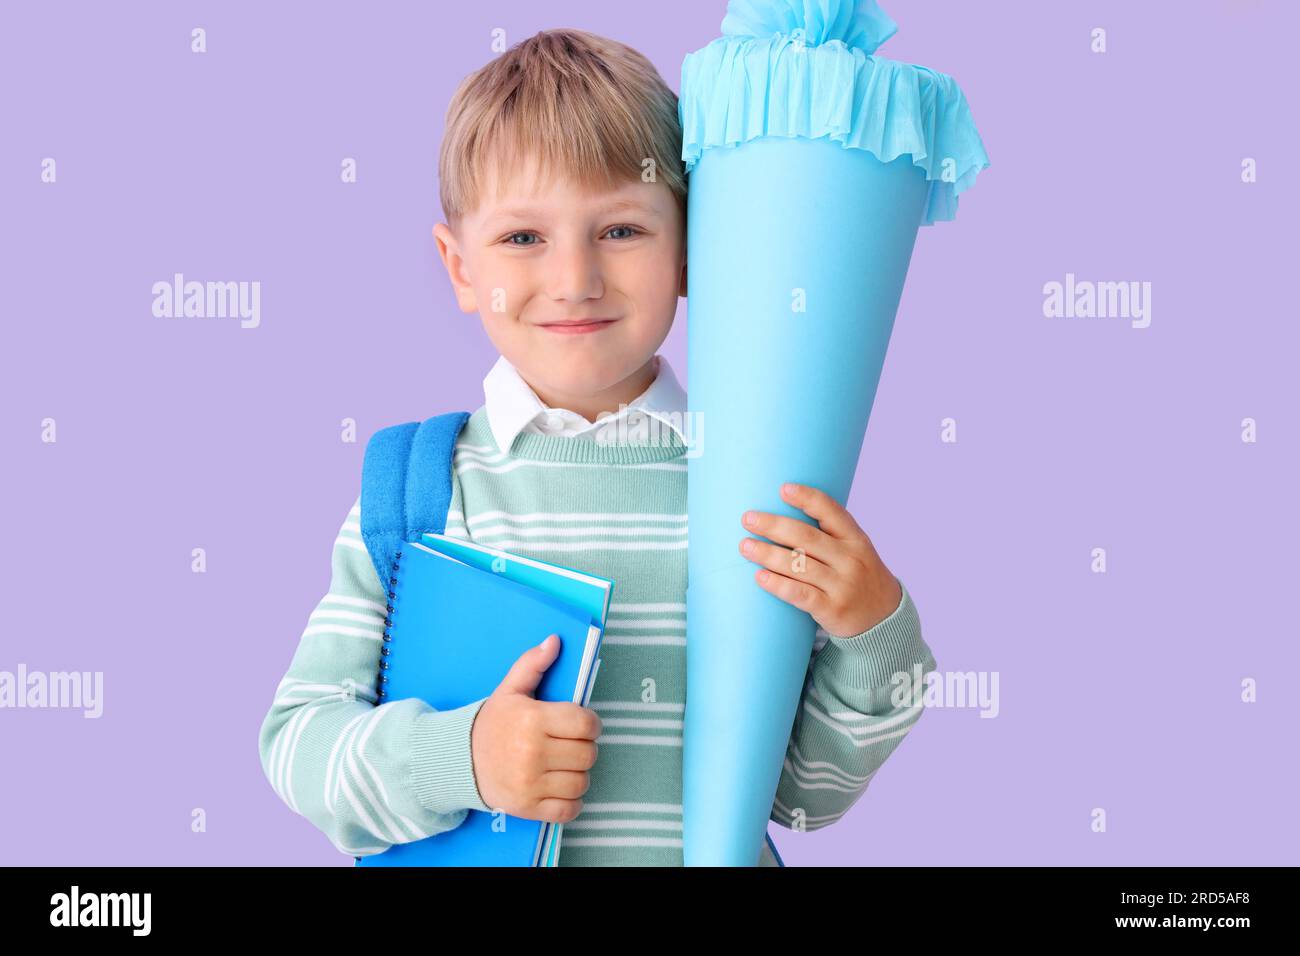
(581, 104)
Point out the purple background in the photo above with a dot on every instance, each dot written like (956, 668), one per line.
(1117, 690)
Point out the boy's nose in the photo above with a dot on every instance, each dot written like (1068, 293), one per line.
(574, 275)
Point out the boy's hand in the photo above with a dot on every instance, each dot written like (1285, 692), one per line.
(831, 571)
(531, 757)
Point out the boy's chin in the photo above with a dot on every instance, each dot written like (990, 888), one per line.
(583, 375)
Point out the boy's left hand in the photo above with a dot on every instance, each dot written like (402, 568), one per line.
(830, 570)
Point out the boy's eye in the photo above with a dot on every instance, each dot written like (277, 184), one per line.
(630, 232)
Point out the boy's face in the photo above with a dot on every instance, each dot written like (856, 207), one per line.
(537, 253)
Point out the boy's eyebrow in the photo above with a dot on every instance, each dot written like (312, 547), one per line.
(617, 205)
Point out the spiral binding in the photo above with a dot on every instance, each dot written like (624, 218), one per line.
(388, 623)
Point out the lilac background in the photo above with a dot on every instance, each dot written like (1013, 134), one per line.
(1118, 691)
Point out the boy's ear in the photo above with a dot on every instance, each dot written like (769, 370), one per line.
(449, 251)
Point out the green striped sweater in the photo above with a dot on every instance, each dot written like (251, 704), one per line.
(370, 776)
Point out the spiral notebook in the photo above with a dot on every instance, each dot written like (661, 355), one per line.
(587, 591)
(458, 622)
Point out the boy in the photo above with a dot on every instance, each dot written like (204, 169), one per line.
(574, 257)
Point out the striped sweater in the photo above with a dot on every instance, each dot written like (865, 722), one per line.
(370, 776)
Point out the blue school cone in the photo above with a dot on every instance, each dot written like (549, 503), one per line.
(812, 165)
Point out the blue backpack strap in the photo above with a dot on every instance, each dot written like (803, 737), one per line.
(428, 476)
(406, 485)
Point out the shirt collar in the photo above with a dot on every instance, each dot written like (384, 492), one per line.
(512, 404)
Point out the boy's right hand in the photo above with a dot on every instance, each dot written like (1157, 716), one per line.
(531, 757)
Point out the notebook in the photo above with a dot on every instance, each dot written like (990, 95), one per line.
(455, 631)
(586, 591)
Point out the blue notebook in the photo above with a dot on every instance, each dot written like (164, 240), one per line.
(455, 631)
(586, 591)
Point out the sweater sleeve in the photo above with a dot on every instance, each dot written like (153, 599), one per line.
(847, 724)
(369, 775)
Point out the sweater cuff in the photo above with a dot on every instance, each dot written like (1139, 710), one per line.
(442, 764)
(871, 658)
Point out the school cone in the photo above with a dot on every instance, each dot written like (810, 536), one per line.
(812, 165)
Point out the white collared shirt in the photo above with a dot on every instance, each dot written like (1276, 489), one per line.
(514, 408)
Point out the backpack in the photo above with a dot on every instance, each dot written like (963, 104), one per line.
(406, 491)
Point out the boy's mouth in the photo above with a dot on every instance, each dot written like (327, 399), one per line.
(580, 327)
